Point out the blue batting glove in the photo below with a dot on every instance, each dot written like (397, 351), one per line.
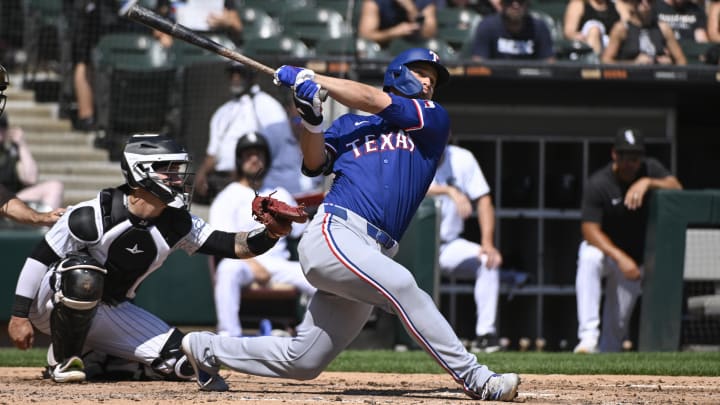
(307, 90)
(291, 76)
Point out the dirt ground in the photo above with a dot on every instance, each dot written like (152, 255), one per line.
(25, 385)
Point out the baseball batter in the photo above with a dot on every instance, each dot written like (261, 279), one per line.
(77, 284)
(614, 219)
(383, 164)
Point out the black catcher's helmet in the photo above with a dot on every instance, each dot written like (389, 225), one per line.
(252, 140)
(159, 165)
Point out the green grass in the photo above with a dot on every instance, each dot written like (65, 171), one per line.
(675, 363)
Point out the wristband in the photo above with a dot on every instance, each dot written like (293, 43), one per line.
(259, 241)
(21, 306)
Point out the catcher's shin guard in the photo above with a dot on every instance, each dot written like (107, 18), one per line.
(78, 284)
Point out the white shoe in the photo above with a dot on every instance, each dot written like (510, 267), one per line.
(586, 346)
(69, 371)
(207, 378)
(500, 387)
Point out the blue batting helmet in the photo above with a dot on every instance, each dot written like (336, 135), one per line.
(398, 75)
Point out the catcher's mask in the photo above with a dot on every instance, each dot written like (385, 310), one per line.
(399, 77)
(4, 82)
(159, 165)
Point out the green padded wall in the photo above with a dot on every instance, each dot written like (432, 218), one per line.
(15, 246)
(670, 213)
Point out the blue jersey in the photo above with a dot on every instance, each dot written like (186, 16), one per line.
(384, 163)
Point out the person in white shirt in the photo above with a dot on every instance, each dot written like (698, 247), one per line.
(458, 184)
(250, 110)
(232, 210)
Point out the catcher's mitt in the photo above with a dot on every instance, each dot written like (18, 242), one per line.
(276, 215)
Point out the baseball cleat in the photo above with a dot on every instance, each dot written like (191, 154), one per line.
(69, 371)
(206, 377)
(500, 387)
(588, 346)
(486, 344)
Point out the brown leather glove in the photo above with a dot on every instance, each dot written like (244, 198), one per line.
(276, 215)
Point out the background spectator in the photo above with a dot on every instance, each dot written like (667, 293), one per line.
(384, 20)
(642, 39)
(227, 21)
(232, 211)
(590, 21)
(458, 184)
(713, 25)
(687, 19)
(19, 172)
(615, 208)
(513, 34)
(250, 110)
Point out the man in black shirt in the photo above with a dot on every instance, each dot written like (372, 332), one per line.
(614, 217)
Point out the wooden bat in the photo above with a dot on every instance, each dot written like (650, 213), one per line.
(140, 14)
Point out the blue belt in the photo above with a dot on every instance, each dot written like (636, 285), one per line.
(373, 231)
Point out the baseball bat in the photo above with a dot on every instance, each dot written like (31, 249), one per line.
(140, 14)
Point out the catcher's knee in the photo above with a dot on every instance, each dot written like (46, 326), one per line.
(171, 363)
(77, 282)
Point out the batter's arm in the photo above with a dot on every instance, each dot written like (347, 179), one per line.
(354, 94)
(594, 235)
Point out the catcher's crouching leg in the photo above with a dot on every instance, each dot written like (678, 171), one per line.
(172, 364)
(78, 284)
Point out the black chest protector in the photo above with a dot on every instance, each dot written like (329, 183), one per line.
(132, 252)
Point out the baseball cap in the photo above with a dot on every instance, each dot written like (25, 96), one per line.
(629, 140)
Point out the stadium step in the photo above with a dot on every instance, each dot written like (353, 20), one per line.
(61, 153)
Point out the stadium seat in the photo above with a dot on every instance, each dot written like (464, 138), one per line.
(313, 24)
(183, 53)
(575, 51)
(134, 78)
(446, 52)
(41, 39)
(349, 46)
(130, 51)
(554, 26)
(457, 26)
(257, 24)
(341, 6)
(553, 8)
(694, 51)
(276, 47)
(276, 8)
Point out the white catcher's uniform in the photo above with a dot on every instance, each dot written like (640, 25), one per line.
(131, 249)
(231, 211)
(460, 257)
